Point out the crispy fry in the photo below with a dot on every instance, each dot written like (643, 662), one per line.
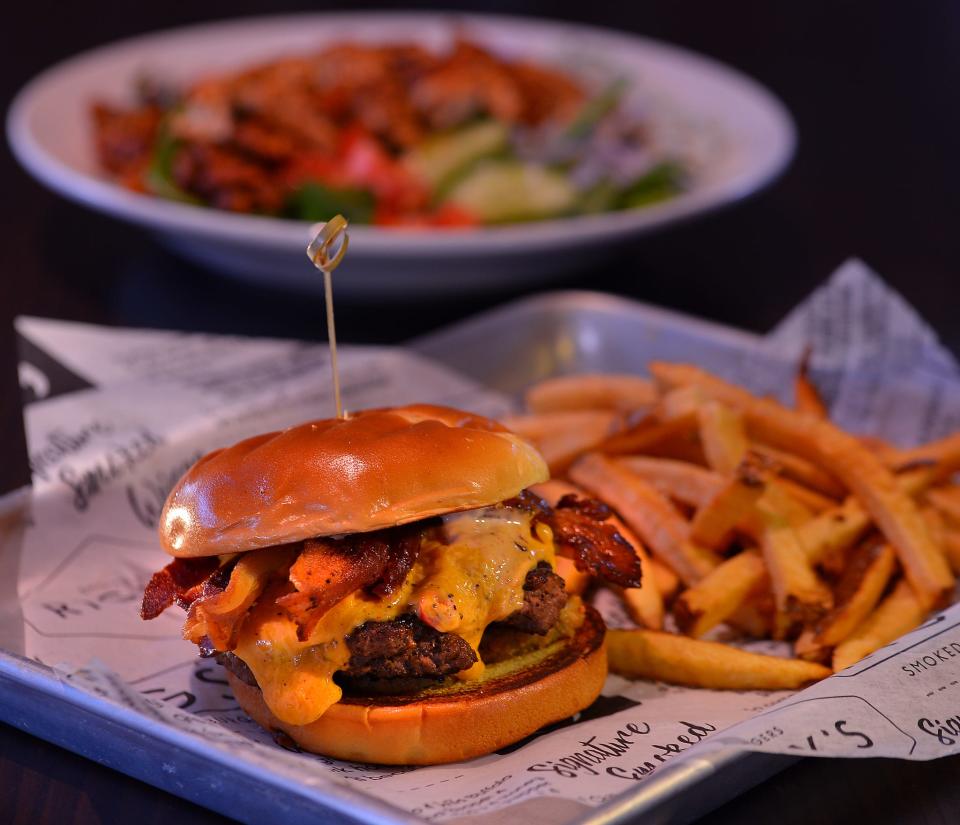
(777, 499)
(655, 520)
(810, 499)
(857, 592)
(562, 436)
(676, 438)
(790, 466)
(682, 402)
(591, 392)
(835, 530)
(892, 456)
(942, 455)
(720, 594)
(842, 455)
(733, 509)
(648, 654)
(946, 500)
(679, 480)
(668, 583)
(936, 524)
(898, 613)
(951, 547)
(723, 436)
(644, 603)
(806, 396)
(798, 592)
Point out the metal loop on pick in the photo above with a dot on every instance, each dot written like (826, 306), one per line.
(329, 245)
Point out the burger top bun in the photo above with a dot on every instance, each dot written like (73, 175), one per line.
(375, 469)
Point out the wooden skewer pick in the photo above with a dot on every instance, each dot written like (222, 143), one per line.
(325, 251)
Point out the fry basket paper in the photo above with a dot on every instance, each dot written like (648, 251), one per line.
(118, 415)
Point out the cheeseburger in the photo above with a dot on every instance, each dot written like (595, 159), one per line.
(381, 588)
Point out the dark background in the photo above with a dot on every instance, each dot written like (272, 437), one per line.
(873, 89)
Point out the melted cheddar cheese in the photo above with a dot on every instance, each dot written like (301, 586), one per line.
(462, 581)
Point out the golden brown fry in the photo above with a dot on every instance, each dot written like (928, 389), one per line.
(811, 500)
(891, 456)
(562, 436)
(668, 582)
(679, 480)
(648, 654)
(942, 455)
(808, 648)
(676, 438)
(733, 509)
(678, 403)
(754, 617)
(835, 530)
(720, 594)
(951, 547)
(790, 466)
(777, 499)
(897, 614)
(946, 500)
(843, 456)
(806, 396)
(723, 436)
(646, 511)
(799, 594)
(591, 392)
(644, 603)
(857, 592)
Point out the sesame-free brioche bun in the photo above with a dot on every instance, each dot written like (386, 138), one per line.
(375, 469)
(459, 720)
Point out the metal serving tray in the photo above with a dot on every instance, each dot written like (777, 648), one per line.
(507, 348)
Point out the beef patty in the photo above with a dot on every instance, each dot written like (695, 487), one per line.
(407, 650)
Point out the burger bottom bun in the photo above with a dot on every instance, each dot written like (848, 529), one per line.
(454, 722)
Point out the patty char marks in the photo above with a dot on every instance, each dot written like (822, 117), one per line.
(543, 599)
(406, 648)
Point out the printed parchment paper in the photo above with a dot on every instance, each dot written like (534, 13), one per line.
(118, 415)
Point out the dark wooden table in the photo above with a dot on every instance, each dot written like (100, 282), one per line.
(873, 90)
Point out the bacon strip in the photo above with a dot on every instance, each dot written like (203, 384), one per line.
(180, 582)
(596, 548)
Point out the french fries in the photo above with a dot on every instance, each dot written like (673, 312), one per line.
(719, 595)
(806, 396)
(892, 510)
(675, 438)
(678, 660)
(668, 582)
(897, 614)
(836, 543)
(591, 392)
(562, 436)
(679, 480)
(723, 436)
(793, 467)
(857, 593)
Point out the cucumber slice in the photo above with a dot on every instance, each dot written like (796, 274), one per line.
(442, 157)
(503, 191)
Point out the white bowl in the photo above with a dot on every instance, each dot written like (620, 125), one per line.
(743, 134)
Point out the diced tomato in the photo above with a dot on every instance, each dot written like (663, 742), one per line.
(449, 215)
